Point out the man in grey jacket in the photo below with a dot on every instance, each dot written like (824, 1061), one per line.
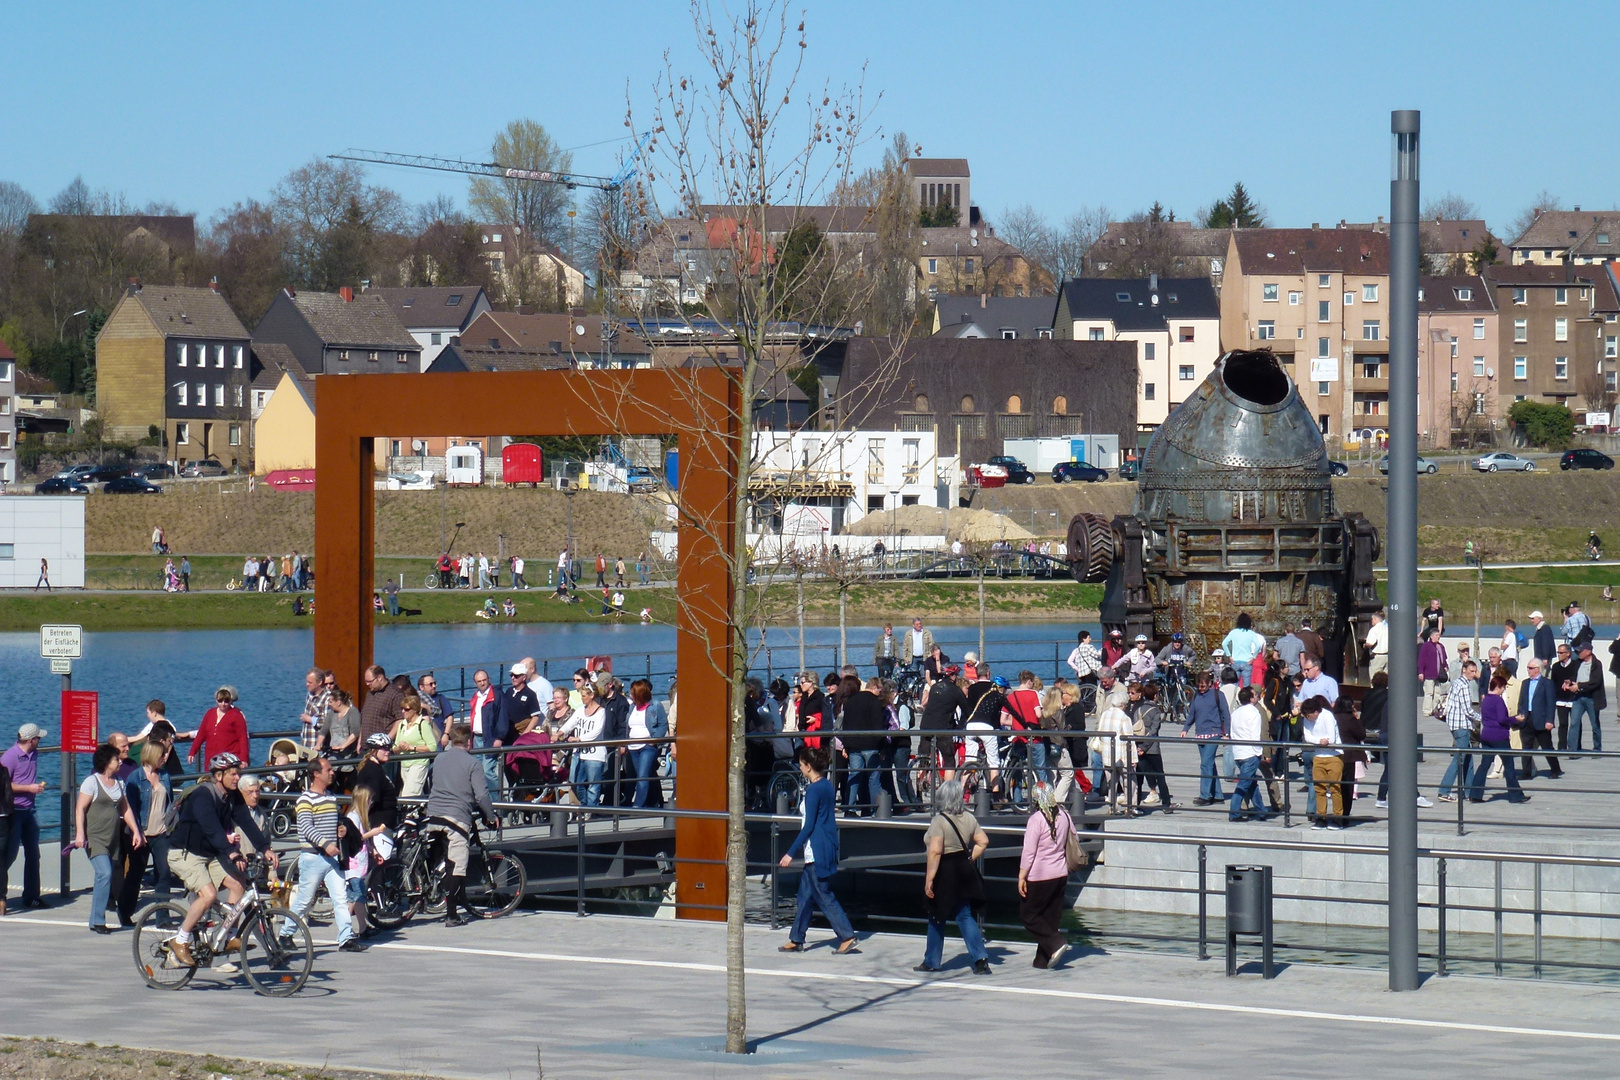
(459, 795)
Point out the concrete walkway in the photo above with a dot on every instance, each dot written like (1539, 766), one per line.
(608, 996)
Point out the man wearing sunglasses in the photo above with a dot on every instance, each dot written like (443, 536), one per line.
(517, 705)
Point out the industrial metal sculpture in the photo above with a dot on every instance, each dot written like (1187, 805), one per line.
(1234, 513)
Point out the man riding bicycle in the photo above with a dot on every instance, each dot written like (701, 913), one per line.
(204, 853)
(459, 797)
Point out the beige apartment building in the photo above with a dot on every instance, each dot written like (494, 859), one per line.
(1319, 299)
(1460, 379)
(1559, 334)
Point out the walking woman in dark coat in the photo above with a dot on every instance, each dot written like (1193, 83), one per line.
(818, 843)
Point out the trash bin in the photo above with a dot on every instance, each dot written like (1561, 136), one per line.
(1248, 911)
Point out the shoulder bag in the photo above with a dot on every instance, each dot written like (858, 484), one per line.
(973, 878)
(1073, 854)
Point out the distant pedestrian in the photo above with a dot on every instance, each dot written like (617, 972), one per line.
(618, 572)
(601, 570)
(1043, 875)
(642, 568)
(953, 885)
(185, 574)
(817, 842)
(517, 573)
(1494, 734)
(157, 539)
(1377, 644)
(44, 576)
(391, 593)
(483, 570)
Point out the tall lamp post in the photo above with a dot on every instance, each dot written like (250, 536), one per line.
(1401, 544)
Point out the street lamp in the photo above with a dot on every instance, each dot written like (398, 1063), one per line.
(61, 330)
(894, 507)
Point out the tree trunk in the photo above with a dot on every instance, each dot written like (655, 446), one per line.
(800, 577)
(737, 749)
(981, 614)
(843, 635)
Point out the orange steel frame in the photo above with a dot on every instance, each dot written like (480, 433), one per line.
(700, 406)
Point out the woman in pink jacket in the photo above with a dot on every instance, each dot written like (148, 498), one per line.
(1043, 875)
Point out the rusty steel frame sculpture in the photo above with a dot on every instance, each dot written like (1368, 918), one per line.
(698, 405)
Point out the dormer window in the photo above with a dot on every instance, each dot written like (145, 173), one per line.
(1123, 297)
(1465, 294)
(454, 301)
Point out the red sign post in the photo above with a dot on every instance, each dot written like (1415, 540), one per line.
(81, 713)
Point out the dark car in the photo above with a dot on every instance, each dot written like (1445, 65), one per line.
(1064, 471)
(206, 467)
(92, 474)
(1585, 459)
(1338, 468)
(1017, 471)
(60, 485)
(75, 472)
(1130, 469)
(130, 485)
(160, 470)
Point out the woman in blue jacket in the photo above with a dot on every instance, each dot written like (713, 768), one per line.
(647, 720)
(818, 842)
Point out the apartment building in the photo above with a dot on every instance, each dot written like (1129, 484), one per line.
(8, 416)
(1556, 332)
(1460, 401)
(1174, 324)
(1556, 237)
(1319, 299)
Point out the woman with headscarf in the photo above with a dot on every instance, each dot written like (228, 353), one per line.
(1043, 875)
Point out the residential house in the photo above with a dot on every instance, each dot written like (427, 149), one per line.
(1448, 246)
(284, 432)
(35, 391)
(176, 360)
(528, 271)
(587, 341)
(981, 315)
(1556, 333)
(1460, 374)
(1574, 236)
(1170, 248)
(8, 416)
(435, 314)
(972, 259)
(270, 362)
(340, 333)
(1319, 299)
(976, 393)
(1175, 324)
(939, 182)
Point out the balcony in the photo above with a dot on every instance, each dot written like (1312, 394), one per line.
(1362, 384)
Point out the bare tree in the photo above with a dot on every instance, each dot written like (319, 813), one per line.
(1544, 201)
(1081, 230)
(539, 210)
(331, 219)
(15, 206)
(1450, 207)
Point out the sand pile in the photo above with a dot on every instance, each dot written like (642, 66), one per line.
(969, 526)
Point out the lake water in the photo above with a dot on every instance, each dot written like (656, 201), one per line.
(183, 668)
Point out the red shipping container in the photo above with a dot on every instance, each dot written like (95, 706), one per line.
(521, 463)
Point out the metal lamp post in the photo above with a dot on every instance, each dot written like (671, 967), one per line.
(1401, 544)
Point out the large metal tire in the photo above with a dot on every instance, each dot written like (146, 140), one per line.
(1091, 547)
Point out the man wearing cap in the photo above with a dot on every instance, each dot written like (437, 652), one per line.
(517, 705)
(22, 762)
(1542, 640)
(1590, 697)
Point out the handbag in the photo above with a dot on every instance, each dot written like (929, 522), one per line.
(1073, 853)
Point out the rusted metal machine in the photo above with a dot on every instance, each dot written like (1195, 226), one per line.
(1234, 513)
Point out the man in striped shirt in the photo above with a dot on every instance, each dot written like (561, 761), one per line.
(320, 827)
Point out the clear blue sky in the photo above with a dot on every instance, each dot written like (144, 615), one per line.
(1057, 105)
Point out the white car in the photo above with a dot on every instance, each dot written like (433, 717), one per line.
(1503, 461)
(420, 480)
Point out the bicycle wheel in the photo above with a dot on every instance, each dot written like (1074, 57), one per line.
(155, 926)
(277, 952)
(925, 782)
(498, 888)
(388, 900)
(431, 581)
(1017, 778)
(784, 782)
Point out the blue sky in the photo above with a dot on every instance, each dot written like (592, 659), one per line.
(1057, 105)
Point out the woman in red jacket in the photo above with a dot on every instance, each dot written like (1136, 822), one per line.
(223, 729)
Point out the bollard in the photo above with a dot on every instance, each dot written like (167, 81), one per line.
(885, 805)
(981, 803)
(784, 803)
(1077, 802)
(559, 824)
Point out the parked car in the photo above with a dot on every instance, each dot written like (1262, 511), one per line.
(1017, 471)
(130, 485)
(60, 485)
(158, 470)
(75, 472)
(417, 480)
(642, 479)
(204, 468)
(1585, 459)
(1503, 461)
(93, 474)
(1130, 469)
(1338, 468)
(1076, 470)
(1423, 463)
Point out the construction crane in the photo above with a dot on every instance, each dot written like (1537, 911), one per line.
(495, 170)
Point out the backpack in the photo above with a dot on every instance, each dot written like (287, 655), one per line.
(1522, 640)
(171, 815)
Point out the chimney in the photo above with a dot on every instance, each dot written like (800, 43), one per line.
(1316, 225)
(347, 292)
(134, 287)
(984, 298)
(213, 283)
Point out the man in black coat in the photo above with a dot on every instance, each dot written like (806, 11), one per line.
(617, 705)
(1562, 674)
(1537, 711)
(863, 712)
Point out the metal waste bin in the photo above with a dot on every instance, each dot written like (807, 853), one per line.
(1248, 911)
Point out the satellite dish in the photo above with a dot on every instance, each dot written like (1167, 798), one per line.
(418, 445)
(579, 329)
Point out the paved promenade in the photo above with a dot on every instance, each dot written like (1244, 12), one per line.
(607, 996)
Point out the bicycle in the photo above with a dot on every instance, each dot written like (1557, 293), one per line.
(276, 952)
(233, 584)
(432, 580)
(417, 878)
(785, 779)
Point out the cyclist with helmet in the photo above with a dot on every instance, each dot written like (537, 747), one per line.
(987, 700)
(203, 851)
(1139, 663)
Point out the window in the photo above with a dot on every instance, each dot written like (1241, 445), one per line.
(1323, 281)
(236, 395)
(236, 356)
(1148, 392)
(1187, 333)
(1560, 329)
(1521, 296)
(967, 266)
(259, 398)
(182, 433)
(1015, 404)
(967, 402)
(1148, 350)
(1185, 371)
(1479, 329)
(920, 403)
(1603, 238)
(1479, 403)
(1294, 297)
(402, 357)
(434, 339)
(970, 426)
(1322, 389)
(1060, 405)
(1009, 335)
(219, 356)
(1267, 330)
(1324, 311)
(181, 353)
(1095, 333)
(1349, 299)
(1371, 370)
(202, 395)
(1044, 333)
(1371, 406)
(1369, 330)
(235, 434)
(933, 266)
(1479, 367)
(1322, 347)
(1125, 297)
(1560, 296)
(1454, 348)
(1268, 292)
(1561, 367)
(1465, 294)
(219, 395)
(343, 355)
(1369, 294)
(372, 356)
(1453, 382)
(1521, 329)
(1609, 347)
(1521, 367)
